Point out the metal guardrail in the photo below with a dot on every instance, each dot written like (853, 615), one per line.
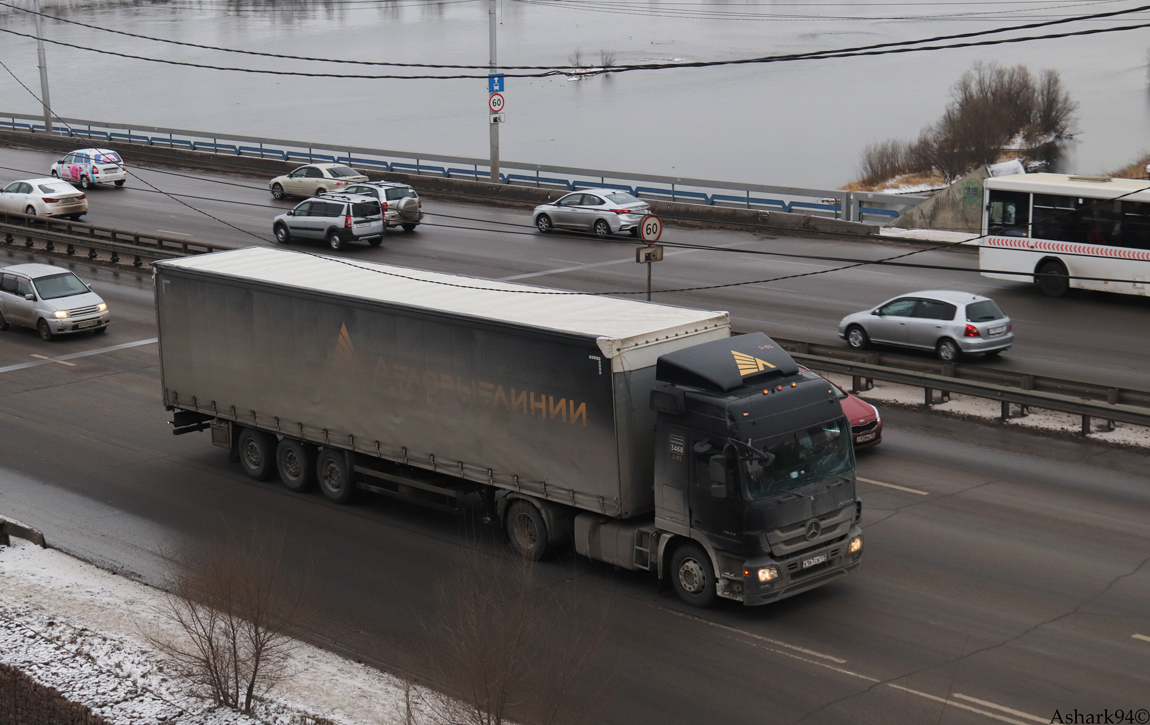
(77, 235)
(836, 203)
(1088, 400)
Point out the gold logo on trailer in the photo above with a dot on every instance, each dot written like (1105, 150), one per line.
(749, 364)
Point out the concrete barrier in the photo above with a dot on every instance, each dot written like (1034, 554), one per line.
(11, 527)
(508, 195)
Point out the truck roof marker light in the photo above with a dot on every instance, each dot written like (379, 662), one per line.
(767, 391)
(794, 385)
(779, 388)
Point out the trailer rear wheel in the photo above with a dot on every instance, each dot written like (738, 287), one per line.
(334, 478)
(296, 464)
(526, 530)
(257, 454)
(693, 576)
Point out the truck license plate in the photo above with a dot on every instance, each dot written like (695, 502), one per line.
(807, 563)
(88, 323)
(997, 330)
(865, 438)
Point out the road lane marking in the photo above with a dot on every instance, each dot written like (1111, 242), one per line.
(62, 362)
(74, 355)
(952, 703)
(1142, 637)
(761, 638)
(891, 485)
(611, 263)
(1016, 713)
(177, 234)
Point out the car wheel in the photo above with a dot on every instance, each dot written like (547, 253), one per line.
(543, 224)
(331, 472)
(526, 530)
(75, 217)
(30, 210)
(409, 227)
(334, 240)
(277, 191)
(693, 576)
(44, 330)
(602, 228)
(375, 242)
(120, 182)
(948, 350)
(54, 174)
(101, 330)
(634, 231)
(283, 236)
(257, 454)
(84, 182)
(1053, 279)
(3, 323)
(857, 337)
(320, 191)
(295, 462)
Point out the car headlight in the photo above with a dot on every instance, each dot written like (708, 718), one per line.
(61, 314)
(102, 306)
(856, 545)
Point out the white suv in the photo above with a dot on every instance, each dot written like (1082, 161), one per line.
(402, 207)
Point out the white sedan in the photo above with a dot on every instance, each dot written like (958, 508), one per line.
(44, 197)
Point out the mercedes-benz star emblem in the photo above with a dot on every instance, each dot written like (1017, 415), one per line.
(814, 528)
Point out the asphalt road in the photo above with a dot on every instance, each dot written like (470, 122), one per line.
(1090, 337)
(1004, 579)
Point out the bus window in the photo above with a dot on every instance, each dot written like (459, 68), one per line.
(1008, 213)
(1055, 218)
(1135, 225)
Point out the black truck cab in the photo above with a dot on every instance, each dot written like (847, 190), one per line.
(754, 465)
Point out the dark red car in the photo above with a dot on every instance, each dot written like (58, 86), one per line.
(866, 423)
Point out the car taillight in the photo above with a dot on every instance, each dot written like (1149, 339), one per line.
(383, 205)
(50, 201)
(83, 196)
(347, 225)
(621, 211)
(971, 331)
(421, 202)
(95, 169)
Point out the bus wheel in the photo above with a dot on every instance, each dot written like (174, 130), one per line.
(1052, 279)
(693, 576)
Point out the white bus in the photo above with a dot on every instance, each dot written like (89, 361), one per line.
(1063, 232)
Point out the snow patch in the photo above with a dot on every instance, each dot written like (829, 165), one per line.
(82, 630)
(933, 235)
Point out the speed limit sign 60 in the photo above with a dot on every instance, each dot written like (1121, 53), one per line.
(650, 229)
(495, 102)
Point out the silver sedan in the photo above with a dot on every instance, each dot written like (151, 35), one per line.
(603, 211)
(952, 324)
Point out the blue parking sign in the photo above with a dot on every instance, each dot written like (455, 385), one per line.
(495, 83)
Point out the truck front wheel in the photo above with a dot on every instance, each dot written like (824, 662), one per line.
(526, 530)
(334, 478)
(693, 576)
(257, 454)
(296, 464)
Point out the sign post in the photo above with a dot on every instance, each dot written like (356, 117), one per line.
(650, 229)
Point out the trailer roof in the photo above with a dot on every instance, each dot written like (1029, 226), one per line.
(617, 324)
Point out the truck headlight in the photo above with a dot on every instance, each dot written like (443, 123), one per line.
(767, 573)
(102, 306)
(61, 314)
(856, 545)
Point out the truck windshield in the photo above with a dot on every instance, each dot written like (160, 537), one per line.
(803, 457)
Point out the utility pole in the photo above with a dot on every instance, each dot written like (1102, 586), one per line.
(494, 126)
(43, 69)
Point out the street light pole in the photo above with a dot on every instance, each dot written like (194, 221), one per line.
(494, 126)
(43, 69)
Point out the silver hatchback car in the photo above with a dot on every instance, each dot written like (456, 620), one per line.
(603, 211)
(952, 324)
(50, 300)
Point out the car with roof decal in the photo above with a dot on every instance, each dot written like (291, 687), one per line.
(91, 166)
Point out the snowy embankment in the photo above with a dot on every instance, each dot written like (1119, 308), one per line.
(84, 631)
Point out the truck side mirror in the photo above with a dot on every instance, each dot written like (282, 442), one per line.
(718, 469)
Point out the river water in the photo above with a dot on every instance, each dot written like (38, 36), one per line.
(800, 123)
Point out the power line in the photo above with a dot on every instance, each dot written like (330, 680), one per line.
(546, 71)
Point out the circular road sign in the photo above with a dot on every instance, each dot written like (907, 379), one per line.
(650, 229)
(495, 102)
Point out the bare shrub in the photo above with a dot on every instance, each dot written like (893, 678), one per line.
(606, 59)
(992, 108)
(575, 60)
(512, 647)
(234, 601)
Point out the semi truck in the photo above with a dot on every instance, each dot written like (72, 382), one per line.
(644, 435)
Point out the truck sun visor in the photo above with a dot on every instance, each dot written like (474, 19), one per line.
(726, 364)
